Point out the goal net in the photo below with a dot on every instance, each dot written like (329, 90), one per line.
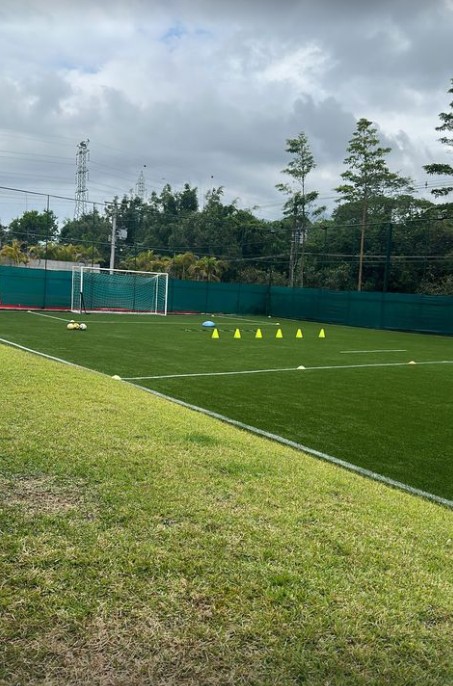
(95, 289)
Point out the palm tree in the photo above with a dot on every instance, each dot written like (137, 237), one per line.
(208, 269)
(12, 253)
(181, 265)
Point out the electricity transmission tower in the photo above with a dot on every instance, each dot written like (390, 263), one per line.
(81, 196)
(140, 188)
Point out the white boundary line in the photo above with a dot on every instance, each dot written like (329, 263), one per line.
(48, 357)
(49, 316)
(147, 321)
(235, 318)
(310, 451)
(288, 369)
(344, 352)
(265, 434)
(178, 376)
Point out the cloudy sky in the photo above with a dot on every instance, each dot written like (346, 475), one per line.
(208, 92)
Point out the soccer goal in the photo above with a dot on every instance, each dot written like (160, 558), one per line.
(95, 289)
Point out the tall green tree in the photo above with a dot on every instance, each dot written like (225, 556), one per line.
(300, 202)
(443, 169)
(34, 227)
(92, 230)
(369, 182)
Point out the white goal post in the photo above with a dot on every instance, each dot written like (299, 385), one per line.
(95, 289)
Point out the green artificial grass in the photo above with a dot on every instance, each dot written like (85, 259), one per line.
(392, 420)
(144, 543)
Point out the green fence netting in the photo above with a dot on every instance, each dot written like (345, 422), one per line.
(25, 287)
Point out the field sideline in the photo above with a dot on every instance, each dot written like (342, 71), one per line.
(145, 543)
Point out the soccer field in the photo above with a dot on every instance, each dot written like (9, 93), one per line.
(377, 399)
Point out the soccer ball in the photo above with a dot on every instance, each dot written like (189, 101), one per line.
(70, 326)
(76, 325)
(82, 327)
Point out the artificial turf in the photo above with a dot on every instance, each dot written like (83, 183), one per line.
(358, 398)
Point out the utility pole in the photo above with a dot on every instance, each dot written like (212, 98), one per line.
(294, 246)
(81, 195)
(113, 240)
(293, 255)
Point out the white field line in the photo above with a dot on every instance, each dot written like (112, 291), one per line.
(95, 321)
(49, 316)
(147, 321)
(285, 369)
(310, 451)
(177, 376)
(259, 432)
(343, 352)
(241, 320)
(48, 357)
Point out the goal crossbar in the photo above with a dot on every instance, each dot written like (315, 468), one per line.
(97, 289)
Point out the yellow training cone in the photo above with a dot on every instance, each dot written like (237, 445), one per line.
(322, 334)
(237, 334)
(279, 334)
(258, 334)
(215, 334)
(299, 334)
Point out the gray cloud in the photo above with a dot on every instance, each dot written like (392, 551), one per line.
(197, 89)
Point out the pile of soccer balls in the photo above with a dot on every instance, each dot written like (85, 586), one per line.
(75, 326)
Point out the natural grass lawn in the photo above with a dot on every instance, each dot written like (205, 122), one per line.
(146, 544)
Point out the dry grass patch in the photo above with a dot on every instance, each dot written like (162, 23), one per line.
(43, 494)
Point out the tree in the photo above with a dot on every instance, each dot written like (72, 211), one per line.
(92, 230)
(299, 203)
(144, 261)
(181, 265)
(34, 227)
(214, 232)
(65, 252)
(369, 181)
(207, 269)
(13, 254)
(443, 169)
